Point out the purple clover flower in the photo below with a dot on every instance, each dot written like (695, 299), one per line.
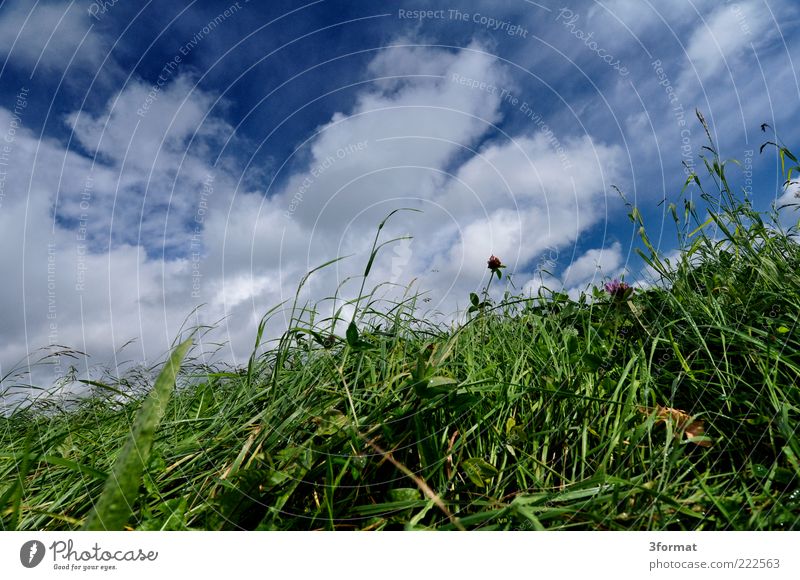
(617, 288)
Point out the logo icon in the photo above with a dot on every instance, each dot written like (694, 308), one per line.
(31, 553)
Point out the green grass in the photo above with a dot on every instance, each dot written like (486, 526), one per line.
(538, 413)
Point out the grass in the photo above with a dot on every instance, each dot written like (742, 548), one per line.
(673, 407)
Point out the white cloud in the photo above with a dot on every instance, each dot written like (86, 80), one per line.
(148, 126)
(144, 138)
(638, 17)
(49, 35)
(789, 205)
(71, 291)
(531, 198)
(411, 129)
(726, 33)
(593, 266)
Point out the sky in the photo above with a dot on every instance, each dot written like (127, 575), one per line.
(171, 165)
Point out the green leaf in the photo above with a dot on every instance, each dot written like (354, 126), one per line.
(103, 386)
(362, 345)
(434, 382)
(474, 299)
(573, 348)
(592, 361)
(700, 227)
(440, 385)
(510, 424)
(783, 329)
(479, 471)
(330, 423)
(75, 466)
(517, 434)
(420, 386)
(404, 494)
(352, 334)
(114, 508)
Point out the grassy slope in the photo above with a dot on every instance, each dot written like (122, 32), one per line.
(534, 415)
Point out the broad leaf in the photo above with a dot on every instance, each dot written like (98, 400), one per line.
(114, 508)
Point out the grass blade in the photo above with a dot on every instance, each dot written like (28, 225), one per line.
(114, 507)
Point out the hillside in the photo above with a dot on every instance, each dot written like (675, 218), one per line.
(672, 406)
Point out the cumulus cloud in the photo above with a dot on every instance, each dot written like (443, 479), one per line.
(60, 210)
(552, 196)
(153, 138)
(593, 266)
(412, 126)
(49, 35)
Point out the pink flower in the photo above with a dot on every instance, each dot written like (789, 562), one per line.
(618, 289)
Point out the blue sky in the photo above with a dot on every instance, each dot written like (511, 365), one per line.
(162, 156)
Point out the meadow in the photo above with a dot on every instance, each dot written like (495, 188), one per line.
(672, 406)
